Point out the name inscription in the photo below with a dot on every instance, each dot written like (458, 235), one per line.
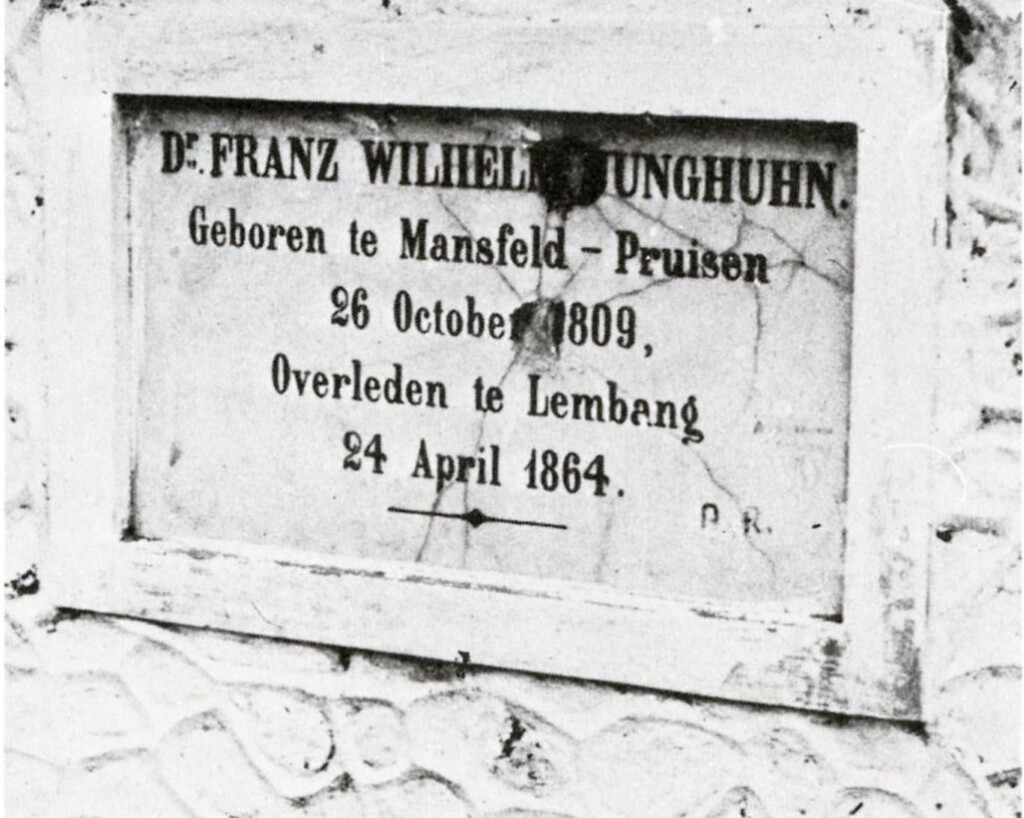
(598, 349)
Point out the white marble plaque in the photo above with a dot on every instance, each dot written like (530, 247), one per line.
(598, 349)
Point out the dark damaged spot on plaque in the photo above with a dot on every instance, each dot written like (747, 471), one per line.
(538, 328)
(832, 649)
(25, 584)
(570, 172)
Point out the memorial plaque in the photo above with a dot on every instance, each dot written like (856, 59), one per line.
(556, 365)
(611, 350)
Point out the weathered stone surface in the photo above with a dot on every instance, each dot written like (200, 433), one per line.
(485, 744)
(672, 767)
(29, 785)
(874, 802)
(340, 799)
(70, 717)
(289, 727)
(125, 783)
(527, 813)
(19, 652)
(205, 764)
(424, 793)
(149, 665)
(233, 652)
(740, 801)
(972, 703)
(84, 645)
(375, 736)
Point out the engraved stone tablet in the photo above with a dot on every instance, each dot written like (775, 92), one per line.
(607, 350)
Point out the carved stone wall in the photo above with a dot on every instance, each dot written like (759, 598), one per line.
(111, 717)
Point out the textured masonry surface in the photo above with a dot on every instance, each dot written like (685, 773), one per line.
(109, 717)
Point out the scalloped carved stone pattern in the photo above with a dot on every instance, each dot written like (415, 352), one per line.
(113, 717)
(110, 717)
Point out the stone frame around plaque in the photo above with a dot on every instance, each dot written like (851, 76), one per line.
(884, 70)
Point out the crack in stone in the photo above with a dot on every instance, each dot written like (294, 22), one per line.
(658, 220)
(481, 423)
(482, 420)
(602, 554)
(798, 261)
(421, 553)
(462, 225)
(739, 507)
(751, 287)
(573, 275)
(538, 294)
(715, 480)
(755, 363)
(467, 528)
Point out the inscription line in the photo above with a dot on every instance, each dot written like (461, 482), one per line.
(476, 518)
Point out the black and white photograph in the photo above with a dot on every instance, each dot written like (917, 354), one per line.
(512, 409)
